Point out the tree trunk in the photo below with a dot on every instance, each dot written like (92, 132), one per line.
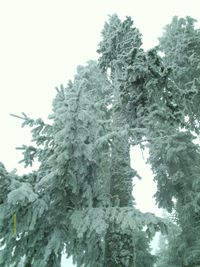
(119, 248)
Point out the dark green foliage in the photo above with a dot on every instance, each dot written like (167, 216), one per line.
(140, 79)
(180, 44)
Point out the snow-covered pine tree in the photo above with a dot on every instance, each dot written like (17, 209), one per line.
(74, 161)
(176, 158)
(135, 77)
(75, 175)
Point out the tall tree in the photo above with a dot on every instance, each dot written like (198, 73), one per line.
(175, 158)
(120, 41)
(182, 35)
(79, 200)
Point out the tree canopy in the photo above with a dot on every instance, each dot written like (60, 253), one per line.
(79, 201)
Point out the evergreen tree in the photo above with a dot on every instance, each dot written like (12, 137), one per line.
(175, 159)
(134, 76)
(80, 199)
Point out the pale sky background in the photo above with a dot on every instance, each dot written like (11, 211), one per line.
(41, 44)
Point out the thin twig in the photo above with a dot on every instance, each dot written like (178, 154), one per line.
(16, 116)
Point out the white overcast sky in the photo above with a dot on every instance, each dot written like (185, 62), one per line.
(41, 44)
